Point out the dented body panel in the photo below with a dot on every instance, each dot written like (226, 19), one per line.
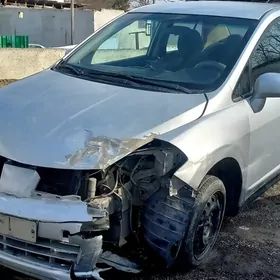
(49, 210)
(82, 120)
(208, 140)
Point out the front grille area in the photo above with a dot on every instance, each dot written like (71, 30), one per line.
(60, 182)
(47, 252)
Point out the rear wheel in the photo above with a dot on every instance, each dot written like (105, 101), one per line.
(205, 223)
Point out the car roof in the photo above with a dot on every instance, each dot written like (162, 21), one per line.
(249, 10)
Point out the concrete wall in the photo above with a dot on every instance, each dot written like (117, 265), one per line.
(48, 27)
(20, 63)
(52, 27)
(104, 16)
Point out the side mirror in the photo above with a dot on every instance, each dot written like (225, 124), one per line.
(266, 86)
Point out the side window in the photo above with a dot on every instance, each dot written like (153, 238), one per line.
(237, 30)
(266, 57)
(243, 86)
(172, 43)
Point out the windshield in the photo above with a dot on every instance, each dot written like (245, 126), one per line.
(191, 51)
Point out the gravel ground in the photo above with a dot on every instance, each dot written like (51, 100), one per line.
(248, 247)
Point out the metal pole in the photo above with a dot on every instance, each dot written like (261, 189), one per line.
(72, 21)
(154, 1)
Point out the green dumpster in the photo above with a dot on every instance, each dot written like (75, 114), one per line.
(14, 41)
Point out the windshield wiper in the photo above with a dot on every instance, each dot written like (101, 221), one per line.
(165, 85)
(111, 77)
(73, 69)
(134, 81)
(139, 81)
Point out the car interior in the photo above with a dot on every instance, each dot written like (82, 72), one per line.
(201, 53)
(215, 50)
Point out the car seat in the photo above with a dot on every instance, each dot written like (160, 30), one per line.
(189, 43)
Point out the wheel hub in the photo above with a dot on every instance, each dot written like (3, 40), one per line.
(208, 225)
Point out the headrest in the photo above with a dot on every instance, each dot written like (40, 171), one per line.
(189, 40)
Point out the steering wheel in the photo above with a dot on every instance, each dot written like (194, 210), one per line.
(209, 64)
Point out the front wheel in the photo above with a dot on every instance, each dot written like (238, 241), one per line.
(205, 224)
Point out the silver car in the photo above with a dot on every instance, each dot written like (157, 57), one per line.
(141, 146)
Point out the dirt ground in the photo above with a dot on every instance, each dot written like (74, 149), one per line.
(248, 247)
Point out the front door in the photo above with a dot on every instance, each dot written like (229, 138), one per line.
(264, 148)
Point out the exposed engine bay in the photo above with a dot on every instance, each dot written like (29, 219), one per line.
(135, 204)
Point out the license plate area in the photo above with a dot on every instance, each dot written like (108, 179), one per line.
(18, 228)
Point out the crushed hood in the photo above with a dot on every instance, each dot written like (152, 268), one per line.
(55, 120)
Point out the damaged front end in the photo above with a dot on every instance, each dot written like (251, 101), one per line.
(66, 224)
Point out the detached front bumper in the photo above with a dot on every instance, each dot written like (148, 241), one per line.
(50, 245)
(33, 269)
(46, 263)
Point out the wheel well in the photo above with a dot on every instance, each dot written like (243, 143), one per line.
(229, 172)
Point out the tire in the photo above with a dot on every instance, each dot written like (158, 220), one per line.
(211, 196)
(165, 221)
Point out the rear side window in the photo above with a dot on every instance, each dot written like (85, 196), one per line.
(220, 32)
(237, 30)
